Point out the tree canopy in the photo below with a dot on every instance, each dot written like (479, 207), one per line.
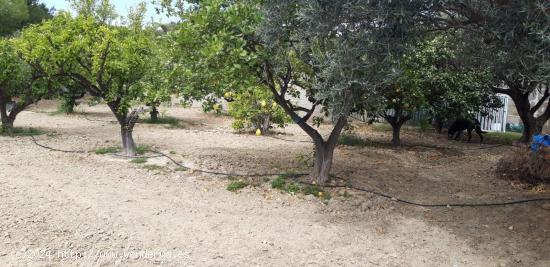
(15, 14)
(511, 39)
(109, 62)
(21, 84)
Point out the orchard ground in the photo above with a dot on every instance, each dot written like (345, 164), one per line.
(88, 209)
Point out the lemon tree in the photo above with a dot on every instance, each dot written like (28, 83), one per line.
(256, 110)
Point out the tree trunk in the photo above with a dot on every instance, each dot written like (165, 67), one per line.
(396, 123)
(7, 125)
(68, 103)
(438, 124)
(324, 152)
(265, 125)
(528, 119)
(4, 117)
(127, 123)
(128, 144)
(8, 119)
(154, 114)
(396, 130)
(323, 162)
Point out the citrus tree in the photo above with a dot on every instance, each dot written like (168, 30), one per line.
(212, 59)
(160, 82)
(331, 53)
(256, 110)
(20, 84)
(108, 62)
(433, 78)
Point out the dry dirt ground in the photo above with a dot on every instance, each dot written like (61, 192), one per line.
(59, 209)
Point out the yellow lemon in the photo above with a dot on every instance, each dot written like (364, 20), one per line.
(263, 103)
(274, 105)
(258, 132)
(320, 194)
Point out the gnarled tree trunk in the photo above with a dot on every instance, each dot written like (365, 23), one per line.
(396, 121)
(154, 113)
(7, 117)
(531, 125)
(438, 124)
(324, 152)
(396, 135)
(127, 123)
(265, 124)
(128, 144)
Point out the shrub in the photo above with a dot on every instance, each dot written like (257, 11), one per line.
(525, 166)
(255, 109)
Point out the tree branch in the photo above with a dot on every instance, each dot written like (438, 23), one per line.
(541, 100)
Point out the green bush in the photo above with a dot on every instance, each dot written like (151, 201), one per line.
(255, 109)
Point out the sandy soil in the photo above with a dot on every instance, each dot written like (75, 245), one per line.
(101, 210)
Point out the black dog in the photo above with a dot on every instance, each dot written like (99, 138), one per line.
(463, 124)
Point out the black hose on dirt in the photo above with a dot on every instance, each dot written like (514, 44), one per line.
(348, 183)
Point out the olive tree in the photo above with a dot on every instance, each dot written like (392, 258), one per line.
(331, 53)
(344, 52)
(511, 38)
(108, 62)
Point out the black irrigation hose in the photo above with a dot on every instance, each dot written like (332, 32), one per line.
(349, 185)
(55, 149)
